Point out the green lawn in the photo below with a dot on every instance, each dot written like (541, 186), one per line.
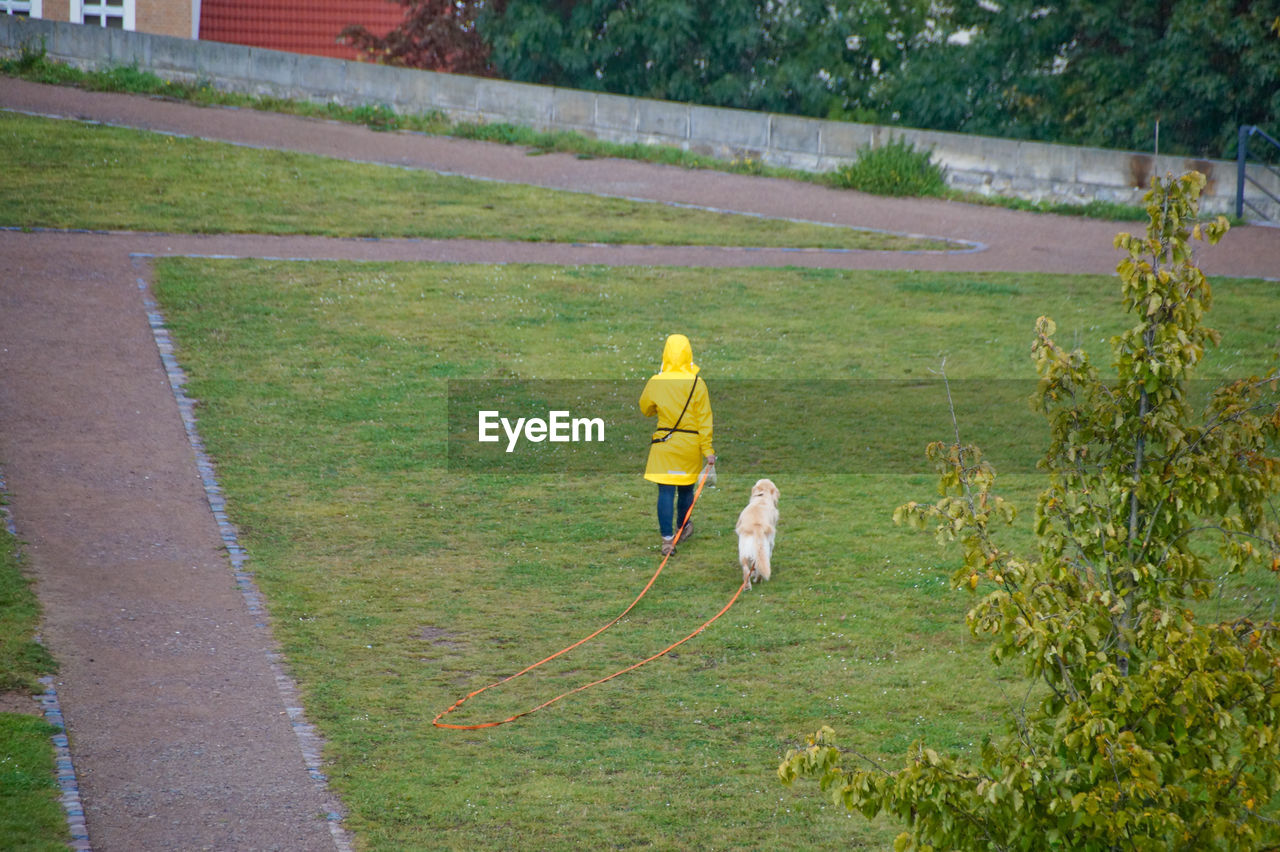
(34, 65)
(31, 817)
(399, 579)
(94, 176)
(399, 583)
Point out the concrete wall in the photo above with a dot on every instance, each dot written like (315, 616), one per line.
(1029, 170)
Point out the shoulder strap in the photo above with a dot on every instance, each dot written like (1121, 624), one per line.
(670, 430)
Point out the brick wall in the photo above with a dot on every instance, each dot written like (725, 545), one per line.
(56, 10)
(164, 17)
(298, 27)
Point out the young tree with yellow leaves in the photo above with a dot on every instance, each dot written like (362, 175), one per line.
(1156, 730)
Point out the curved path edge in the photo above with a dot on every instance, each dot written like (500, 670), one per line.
(310, 742)
(1008, 240)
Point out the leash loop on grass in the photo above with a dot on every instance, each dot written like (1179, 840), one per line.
(439, 724)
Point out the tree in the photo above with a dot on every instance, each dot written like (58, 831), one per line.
(988, 70)
(674, 49)
(1094, 73)
(1066, 71)
(1156, 730)
(805, 57)
(437, 35)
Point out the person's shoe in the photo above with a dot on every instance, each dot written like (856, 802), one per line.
(688, 532)
(668, 546)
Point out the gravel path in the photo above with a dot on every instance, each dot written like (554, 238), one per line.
(184, 731)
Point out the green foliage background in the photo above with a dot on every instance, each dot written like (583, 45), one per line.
(1063, 71)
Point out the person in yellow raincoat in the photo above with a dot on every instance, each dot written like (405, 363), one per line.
(678, 397)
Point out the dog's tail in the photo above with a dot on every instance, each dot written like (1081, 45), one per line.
(753, 553)
(762, 556)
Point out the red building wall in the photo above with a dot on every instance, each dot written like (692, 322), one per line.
(298, 26)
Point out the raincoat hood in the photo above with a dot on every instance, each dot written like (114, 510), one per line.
(677, 355)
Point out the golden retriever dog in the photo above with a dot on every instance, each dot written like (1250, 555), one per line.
(757, 526)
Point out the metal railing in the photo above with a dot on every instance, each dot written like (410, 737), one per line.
(1242, 177)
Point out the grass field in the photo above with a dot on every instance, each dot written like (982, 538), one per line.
(194, 186)
(398, 582)
(33, 64)
(30, 816)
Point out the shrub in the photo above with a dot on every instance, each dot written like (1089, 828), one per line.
(893, 169)
(32, 54)
(374, 116)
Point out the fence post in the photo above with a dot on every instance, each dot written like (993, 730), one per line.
(1242, 154)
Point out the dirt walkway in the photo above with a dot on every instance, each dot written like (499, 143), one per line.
(183, 731)
(179, 733)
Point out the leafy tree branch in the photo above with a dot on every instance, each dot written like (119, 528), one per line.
(1154, 729)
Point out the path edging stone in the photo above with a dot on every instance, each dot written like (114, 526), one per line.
(51, 710)
(310, 742)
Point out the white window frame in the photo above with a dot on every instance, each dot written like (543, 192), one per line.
(32, 8)
(127, 12)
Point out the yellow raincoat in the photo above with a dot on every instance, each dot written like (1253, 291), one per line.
(675, 457)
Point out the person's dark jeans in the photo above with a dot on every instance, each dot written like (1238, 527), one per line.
(667, 501)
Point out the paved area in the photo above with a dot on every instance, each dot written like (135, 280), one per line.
(183, 729)
(179, 733)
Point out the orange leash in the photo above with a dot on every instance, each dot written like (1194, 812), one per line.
(436, 721)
